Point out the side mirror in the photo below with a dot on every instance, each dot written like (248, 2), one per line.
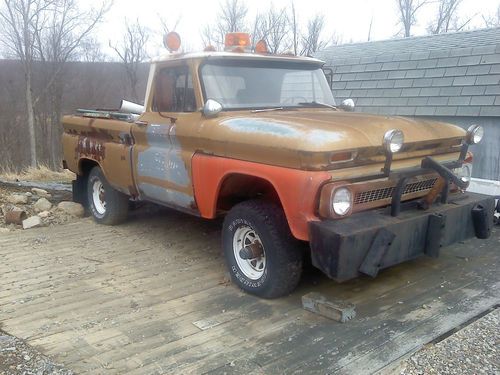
(211, 108)
(347, 105)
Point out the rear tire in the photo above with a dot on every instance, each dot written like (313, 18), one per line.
(277, 271)
(106, 205)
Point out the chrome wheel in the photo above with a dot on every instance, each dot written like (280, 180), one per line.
(246, 239)
(98, 197)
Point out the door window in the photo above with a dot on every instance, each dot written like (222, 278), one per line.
(174, 90)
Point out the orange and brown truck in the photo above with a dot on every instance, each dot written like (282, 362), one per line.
(259, 139)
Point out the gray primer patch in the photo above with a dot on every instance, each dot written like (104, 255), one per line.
(162, 159)
(161, 194)
(248, 125)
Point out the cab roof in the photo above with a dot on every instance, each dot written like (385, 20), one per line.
(234, 55)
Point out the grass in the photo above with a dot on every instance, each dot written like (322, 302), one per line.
(41, 173)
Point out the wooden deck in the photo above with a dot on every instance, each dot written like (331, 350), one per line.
(151, 297)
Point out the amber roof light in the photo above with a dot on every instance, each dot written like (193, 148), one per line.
(172, 41)
(237, 42)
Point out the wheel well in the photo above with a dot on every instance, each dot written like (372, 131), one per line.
(80, 184)
(237, 188)
(86, 165)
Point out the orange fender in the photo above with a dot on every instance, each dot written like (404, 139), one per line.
(297, 190)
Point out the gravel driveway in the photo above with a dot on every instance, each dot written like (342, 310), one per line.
(472, 350)
(18, 358)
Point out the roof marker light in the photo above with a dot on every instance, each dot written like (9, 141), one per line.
(172, 41)
(261, 47)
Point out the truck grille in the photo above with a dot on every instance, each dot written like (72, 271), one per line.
(374, 195)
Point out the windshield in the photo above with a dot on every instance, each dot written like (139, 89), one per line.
(265, 84)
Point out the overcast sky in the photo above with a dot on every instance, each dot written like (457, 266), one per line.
(350, 19)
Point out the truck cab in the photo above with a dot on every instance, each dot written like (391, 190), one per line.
(259, 139)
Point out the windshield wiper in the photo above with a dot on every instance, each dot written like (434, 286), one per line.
(268, 109)
(318, 104)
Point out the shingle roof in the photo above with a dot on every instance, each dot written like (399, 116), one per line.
(455, 74)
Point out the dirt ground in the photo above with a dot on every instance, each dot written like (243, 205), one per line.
(152, 297)
(54, 217)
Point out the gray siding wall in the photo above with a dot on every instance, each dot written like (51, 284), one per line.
(487, 153)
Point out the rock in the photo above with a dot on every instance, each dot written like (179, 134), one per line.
(4, 230)
(72, 208)
(41, 193)
(17, 199)
(44, 214)
(32, 222)
(42, 205)
(28, 194)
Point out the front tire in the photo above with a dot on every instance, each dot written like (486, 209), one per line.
(106, 204)
(262, 255)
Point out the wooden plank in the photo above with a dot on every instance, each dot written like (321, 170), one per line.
(164, 309)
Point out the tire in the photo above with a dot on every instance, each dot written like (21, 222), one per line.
(108, 207)
(278, 271)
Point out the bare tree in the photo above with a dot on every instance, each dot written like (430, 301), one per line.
(408, 10)
(59, 42)
(493, 20)
(294, 29)
(90, 51)
(370, 29)
(231, 17)
(208, 36)
(21, 21)
(132, 52)
(273, 29)
(311, 39)
(169, 25)
(258, 28)
(446, 19)
(49, 31)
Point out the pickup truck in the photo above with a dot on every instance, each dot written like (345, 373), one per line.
(258, 138)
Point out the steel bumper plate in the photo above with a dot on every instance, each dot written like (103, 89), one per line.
(369, 241)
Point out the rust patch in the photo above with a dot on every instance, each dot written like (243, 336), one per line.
(90, 146)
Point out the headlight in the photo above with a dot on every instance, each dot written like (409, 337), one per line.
(393, 140)
(342, 201)
(474, 134)
(464, 172)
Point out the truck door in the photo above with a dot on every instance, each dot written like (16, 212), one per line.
(164, 141)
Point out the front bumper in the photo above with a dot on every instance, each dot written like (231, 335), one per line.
(372, 240)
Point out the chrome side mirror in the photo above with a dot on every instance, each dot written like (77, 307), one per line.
(211, 108)
(347, 105)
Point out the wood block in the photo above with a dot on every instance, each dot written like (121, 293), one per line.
(336, 309)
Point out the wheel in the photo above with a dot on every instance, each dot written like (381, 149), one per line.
(106, 204)
(262, 256)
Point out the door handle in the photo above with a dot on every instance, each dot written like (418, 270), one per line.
(142, 123)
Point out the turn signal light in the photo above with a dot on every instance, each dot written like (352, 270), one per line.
(343, 156)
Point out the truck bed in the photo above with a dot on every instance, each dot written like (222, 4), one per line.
(103, 141)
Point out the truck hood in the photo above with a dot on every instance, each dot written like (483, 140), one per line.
(307, 137)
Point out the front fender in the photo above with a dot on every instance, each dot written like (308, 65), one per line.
(297, 189)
